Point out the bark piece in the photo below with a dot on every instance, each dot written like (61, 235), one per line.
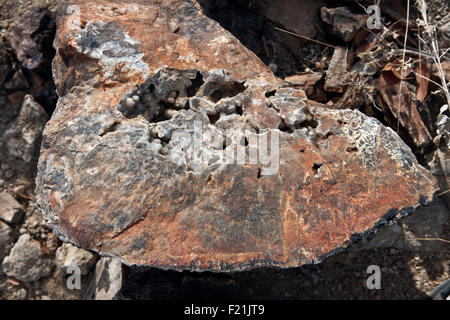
(422, 77)
(27, 261)
(308, 83)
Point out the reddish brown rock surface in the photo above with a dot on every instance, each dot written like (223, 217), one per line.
(132, 76)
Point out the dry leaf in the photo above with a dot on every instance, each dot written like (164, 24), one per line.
(423, 73)
(387, 79)
(363, 43)
(445, 67)
(402, 108)
(396, 68)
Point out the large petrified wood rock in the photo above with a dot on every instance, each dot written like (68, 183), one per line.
(133, 78)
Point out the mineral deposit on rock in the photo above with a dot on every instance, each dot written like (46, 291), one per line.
(117, 174)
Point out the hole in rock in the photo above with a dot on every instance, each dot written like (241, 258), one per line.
(284, 127)
(270, 93)
(213, 118)
(230, 89)
(316, 167)
(195, 85)
(109, 129)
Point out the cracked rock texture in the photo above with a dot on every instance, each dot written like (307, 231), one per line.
(117, 176)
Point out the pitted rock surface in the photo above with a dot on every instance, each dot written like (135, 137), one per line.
(115, 175)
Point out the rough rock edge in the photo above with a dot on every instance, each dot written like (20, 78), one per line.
(353, 239)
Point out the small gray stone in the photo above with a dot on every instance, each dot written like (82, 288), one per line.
(10, 209)
(9, 174)
(70, 256)
(6, 239)
(108, 280)
(27, 261)
(21, 294)
(24, 137)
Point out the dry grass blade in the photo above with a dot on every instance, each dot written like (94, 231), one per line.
(433, 239)
(403, 64)
(436, 55)
(303, 37)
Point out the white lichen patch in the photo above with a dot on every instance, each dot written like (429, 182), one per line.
(111, 45)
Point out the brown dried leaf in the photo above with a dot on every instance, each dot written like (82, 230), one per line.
(396, 68)
(423, 73)
(402, 108)
(445, 67)
(362, 42)
(387, 79)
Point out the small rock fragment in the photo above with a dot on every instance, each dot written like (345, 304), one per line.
(52, 242)
(6, 239)
(342, 22)
(307, 82)
(400, 104)
(10, 209)
(27, 261)
(130, 102)
(108, 280)
(70, 256)
(337, 74)
(32, 39)
(23, 138)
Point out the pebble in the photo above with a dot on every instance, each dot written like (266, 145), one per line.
(129, 102)
(135, 98)
(21, 294)
(273, 67)
(27, 261)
